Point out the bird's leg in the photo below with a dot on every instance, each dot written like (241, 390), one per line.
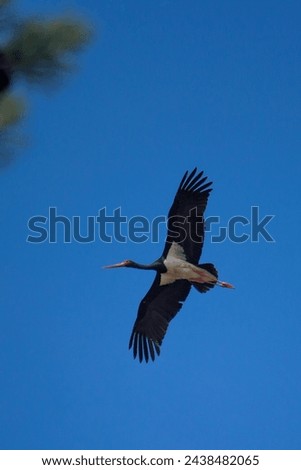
(225, 284)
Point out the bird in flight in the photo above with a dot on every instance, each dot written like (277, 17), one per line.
(177, 269)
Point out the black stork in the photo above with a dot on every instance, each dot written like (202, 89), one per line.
(5, 73)
(177, 268)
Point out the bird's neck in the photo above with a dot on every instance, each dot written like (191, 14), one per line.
(155, 266)
(143, 266)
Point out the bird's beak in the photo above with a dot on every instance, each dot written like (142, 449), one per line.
(118, 265)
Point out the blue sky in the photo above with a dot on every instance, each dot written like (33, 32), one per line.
(165, 86)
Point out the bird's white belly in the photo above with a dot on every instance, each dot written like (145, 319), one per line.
(178, 269)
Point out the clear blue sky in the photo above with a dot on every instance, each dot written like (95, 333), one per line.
(165, 86)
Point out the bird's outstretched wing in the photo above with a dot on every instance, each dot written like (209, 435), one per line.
(156, 310)
(186, 216)
(162, 303)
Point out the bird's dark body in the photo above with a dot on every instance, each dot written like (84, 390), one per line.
(177, 269)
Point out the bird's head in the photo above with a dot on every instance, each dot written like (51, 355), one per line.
(124, 264)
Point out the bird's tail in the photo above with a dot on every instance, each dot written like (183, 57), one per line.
(205, 286)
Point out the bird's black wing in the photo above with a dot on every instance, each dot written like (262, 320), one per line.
(185, 218)
(156, 310)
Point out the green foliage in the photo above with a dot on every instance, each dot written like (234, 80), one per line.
(12, 110)
(39, 51)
